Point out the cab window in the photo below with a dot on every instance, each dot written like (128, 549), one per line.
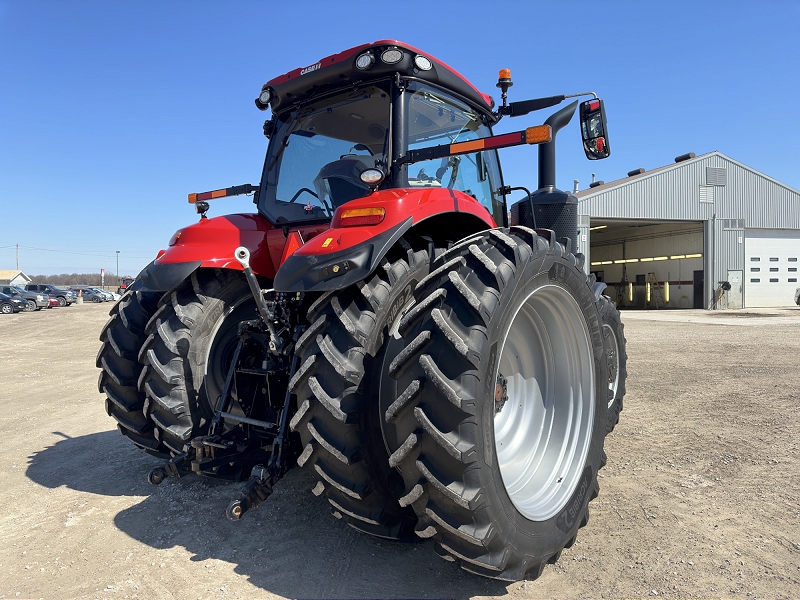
(436, 118)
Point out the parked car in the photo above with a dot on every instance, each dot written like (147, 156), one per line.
(88, 294)
(9, 304)
(123, 284)
(65, 297)
(53, 302)
(35, 300)
(106, 296)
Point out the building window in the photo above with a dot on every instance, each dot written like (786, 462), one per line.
(792, 260)
(773, 281)
(755, 269)
(728, 224)
(755, 281)
(773, 269)
(755, 259)
(792, 279)
(773, 259)
(792, 269)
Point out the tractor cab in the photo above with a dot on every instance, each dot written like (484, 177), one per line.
(340, 126)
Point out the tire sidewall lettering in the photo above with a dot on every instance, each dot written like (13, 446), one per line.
(538, 272)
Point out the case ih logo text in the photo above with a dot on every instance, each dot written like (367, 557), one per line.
(311, 68)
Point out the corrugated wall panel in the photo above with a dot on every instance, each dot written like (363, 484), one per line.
(759, 200)
(674, 194)
(731, 254)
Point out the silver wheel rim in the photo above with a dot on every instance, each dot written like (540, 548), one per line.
(612, 357)
(543, 422)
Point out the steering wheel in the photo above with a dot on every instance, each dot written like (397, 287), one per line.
(300, 191)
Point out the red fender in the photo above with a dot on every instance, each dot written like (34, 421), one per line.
(342, 255)
(212, 242)
(399, 204)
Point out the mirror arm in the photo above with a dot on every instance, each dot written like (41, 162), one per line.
(523, 107)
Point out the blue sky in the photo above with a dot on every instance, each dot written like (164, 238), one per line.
(112, 112)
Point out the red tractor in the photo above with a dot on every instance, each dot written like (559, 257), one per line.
(441, 372)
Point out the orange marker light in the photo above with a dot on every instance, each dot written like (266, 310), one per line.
(541, 134)
(354, 217)
(504, 74)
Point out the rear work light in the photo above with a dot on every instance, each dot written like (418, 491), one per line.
(354, 217)
(365, 61)
(391, 56)
(423, 63)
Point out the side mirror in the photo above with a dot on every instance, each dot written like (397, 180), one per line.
(594, 129)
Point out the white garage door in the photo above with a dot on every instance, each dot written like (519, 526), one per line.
(772, 259)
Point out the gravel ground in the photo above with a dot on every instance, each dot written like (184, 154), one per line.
(700, 497)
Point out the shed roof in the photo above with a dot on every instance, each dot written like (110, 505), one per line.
(647, 174)
(11, 274)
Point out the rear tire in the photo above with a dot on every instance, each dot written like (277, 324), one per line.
(499, 425)
(336, 386)
(189, 347)
(30, 306)
(616, 357)
(122, 339)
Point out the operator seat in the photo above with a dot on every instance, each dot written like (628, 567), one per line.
(340, 180)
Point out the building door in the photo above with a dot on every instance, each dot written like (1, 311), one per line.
(735, 293)
(772, 258)
(699, 286)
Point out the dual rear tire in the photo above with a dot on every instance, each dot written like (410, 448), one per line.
(164, 358)
(500, 413)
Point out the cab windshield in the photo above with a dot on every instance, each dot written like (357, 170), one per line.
(318, 151)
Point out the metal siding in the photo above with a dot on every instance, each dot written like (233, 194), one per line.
(757, 199)
(668, 195)
(674, 194)
(732, 250)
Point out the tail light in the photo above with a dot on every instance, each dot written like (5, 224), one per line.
(353, 217)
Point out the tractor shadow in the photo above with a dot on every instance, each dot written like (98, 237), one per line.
(290, 545)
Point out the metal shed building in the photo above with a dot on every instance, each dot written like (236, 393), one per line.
(694, 224)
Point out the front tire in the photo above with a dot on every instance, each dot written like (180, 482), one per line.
(499, 423)
(190, 343)
(62, 301)
(30, 306)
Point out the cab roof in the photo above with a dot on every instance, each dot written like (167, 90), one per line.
(338, 70)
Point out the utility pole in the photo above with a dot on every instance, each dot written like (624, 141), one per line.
(17, 257)
(117, 268)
